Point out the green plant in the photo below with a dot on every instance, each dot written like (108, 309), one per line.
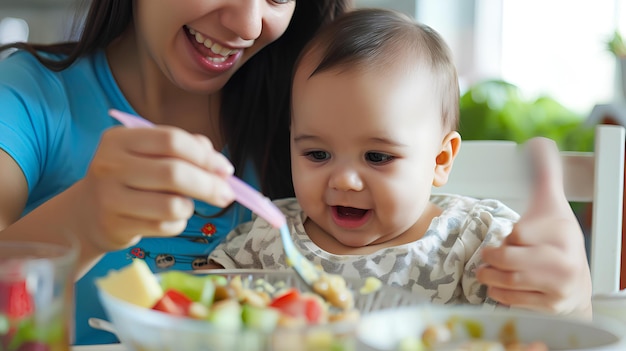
(616, 45)
(497, 110)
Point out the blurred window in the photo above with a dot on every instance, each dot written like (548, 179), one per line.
(12, 30)
(554, 47)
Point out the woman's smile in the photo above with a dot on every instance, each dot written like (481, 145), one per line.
(210, 54)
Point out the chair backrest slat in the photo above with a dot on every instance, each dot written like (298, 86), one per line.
(606, 222)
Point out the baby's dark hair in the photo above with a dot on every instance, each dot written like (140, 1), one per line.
(380, 39)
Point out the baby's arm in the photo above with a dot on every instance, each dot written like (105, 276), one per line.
(213, 265)
(542, 264)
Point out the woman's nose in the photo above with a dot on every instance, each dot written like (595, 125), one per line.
(245, 18)
(346, 179)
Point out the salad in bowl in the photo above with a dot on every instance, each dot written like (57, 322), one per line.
(253, 310)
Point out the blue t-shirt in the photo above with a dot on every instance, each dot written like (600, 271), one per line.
(51, 124)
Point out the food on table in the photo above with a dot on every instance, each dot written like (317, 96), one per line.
(371, 285)
(135, 284)
(333, 289)
(15, 300)
(214, 298)
(464, 334)
(236, 305)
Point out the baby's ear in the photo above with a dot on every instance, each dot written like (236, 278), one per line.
(449, 149)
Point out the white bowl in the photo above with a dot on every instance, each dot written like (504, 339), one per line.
(384, 330)
(611, 306)
(142, 329)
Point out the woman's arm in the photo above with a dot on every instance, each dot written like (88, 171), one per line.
(48, 223)
(140, 182)
(14, 191)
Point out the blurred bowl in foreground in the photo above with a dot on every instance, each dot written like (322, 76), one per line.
(610, 305)
(391, 329)
(142, 329)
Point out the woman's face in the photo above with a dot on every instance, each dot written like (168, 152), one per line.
(200, 44)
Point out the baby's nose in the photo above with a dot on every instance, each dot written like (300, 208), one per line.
(346, 179)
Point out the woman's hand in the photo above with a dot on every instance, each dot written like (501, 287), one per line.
(542, 264)
(141, 182)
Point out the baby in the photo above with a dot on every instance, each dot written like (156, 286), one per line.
(373, 129)
(374, 117)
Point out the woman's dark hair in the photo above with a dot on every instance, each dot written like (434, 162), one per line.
(255, 101)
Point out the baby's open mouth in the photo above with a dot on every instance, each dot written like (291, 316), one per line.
(350, 217)
(349, 212)
(212, 51)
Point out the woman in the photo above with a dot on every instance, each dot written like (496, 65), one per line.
(216, 72)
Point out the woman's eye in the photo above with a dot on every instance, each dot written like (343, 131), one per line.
(378, 158)
(317, 156)
(282, 1)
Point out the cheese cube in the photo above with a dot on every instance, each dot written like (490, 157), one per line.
(134, 283)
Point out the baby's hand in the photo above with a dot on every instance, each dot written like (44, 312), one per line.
(141, 183)
(542, 264)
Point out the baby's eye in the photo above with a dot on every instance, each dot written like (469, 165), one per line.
(282, 1)
(378, 158)
(317, 155)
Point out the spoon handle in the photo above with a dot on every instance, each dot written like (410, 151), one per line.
(252, 199)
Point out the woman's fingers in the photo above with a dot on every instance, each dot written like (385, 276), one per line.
(141, 182)
(530, 300)
(120, 232)
(541, 258)
(524, 289)
(214, 161)
(164, 141)
(176, 176)
(149, 205)
(542, 277)
(165, 159)
(546, 280)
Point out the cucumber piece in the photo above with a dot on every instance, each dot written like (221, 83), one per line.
(225, 315)
(264, 319)
(196, 287)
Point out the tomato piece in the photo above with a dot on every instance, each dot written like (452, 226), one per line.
(285, 299)
(15, 300)
(313, 309)
(296, 305)
(289, 303)
(173, 302)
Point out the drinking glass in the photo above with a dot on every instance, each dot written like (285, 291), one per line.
(36, 295)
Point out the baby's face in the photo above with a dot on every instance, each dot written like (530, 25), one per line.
(364, 147)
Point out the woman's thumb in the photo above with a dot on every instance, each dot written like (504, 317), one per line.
(547, 191)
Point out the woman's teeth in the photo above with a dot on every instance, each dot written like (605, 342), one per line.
(214, 47)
